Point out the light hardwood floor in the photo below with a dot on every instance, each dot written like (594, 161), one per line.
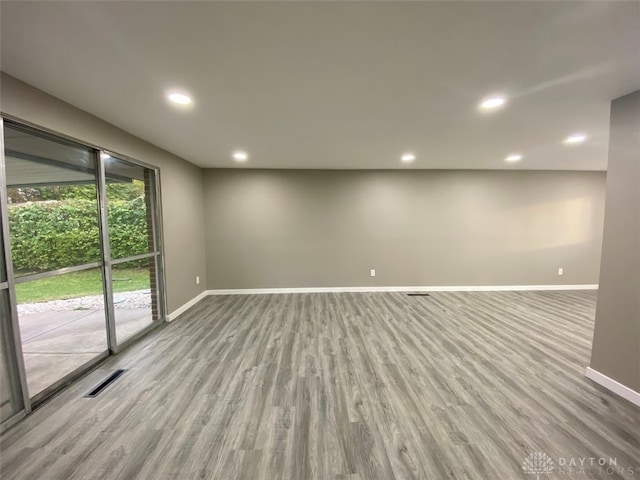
(341, 386)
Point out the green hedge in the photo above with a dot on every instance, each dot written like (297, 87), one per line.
(57, 234)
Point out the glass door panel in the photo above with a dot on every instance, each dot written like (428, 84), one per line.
(53, 218)
(11, 391)
(131, 216)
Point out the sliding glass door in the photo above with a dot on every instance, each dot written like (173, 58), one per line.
(83, 265)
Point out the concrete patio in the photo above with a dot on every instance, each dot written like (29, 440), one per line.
(56, 343)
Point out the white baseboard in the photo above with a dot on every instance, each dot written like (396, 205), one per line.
(248, 291)
(614, 386)
(180, 310)
(499, 288)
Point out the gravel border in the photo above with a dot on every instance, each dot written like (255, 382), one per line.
(122, 301)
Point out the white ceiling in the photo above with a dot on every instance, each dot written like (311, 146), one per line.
(339, 84)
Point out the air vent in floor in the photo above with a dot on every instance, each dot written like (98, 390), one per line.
(417, 294)
(108, 381)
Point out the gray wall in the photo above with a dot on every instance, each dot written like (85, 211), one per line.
(293, 228)
(616, 341)
(182, 194)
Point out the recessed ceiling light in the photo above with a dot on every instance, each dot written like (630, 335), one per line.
(576, 138)
(179, 98)
(408, 157)
(514, 157)
(492, 103)
(240, 156)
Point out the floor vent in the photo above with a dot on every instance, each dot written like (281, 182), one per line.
(108, 381)
(417, 294)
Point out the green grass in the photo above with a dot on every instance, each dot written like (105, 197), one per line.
(80, 284)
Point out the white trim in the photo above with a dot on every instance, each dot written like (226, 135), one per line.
(248, 291)
(500, 288)
(180, 310)
(614, 386)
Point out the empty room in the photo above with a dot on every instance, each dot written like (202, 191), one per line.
(308, 240)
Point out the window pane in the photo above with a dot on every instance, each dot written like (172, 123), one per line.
(62, 324)
(53, 209)
(135, 296)
(129, 208)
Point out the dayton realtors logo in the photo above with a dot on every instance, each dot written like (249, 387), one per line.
(537, 463)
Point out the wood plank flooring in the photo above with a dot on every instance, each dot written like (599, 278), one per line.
(341, 386)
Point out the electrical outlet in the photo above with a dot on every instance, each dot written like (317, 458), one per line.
(561, 271)
(373, 272)
(198, 280)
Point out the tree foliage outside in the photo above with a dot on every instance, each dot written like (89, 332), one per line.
(57, 227)
(115, 191)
